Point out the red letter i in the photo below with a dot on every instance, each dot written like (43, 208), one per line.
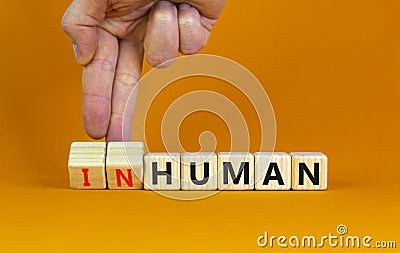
(85, 177)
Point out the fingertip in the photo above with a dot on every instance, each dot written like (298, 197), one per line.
(95, 136)
(95, 131)
(96, 116)
(161, 42)
(193, 36)
(161, 62)
(191, 48)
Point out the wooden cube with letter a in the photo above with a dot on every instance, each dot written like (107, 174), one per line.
(235, 171)
(309, 171)
(162, 171)
(86, 165)
(199, 171)
(273, 171)
(124, 165)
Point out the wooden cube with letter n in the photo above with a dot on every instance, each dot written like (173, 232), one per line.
(235, 171)
(273, 171)
(125, 165)
(309, 171)
(162, 171)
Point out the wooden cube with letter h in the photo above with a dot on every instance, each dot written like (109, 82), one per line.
(162, 171)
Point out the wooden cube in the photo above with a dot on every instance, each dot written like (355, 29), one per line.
(86, 156)
(309, 171)
(125, 148)
(124, 174)
(235, 171)
(199, 171)
(88, 145)
(273, 171)
(125, 145)
(87, 175)
(86, 165)
(162, 171)
(124, 165)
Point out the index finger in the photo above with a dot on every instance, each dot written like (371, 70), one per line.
(97, 80)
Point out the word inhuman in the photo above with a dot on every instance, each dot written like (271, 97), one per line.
(123, 165)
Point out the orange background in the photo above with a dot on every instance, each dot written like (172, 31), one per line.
(332, 71)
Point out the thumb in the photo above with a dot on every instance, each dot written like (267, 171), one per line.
(80, 23)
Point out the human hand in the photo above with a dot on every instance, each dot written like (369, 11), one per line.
(109, 38)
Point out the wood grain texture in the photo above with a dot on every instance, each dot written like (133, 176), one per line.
(202, 164)
(235, 171)
(272, 171)
(124, 165)
(162, 171)
(126, 144)
(88, 145)
(86, 165)
(316, 164)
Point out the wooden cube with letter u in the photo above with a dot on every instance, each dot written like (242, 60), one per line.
(162, 171)
(235, 171)
(309, 171)
(199, 171)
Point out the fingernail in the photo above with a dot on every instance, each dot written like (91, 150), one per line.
(164, 4)
(184, 7)
(76, 51)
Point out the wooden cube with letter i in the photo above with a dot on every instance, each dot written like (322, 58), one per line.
(86, 165)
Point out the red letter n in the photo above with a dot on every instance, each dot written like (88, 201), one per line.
(120, 175)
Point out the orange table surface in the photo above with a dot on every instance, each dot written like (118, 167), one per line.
(332, 72)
